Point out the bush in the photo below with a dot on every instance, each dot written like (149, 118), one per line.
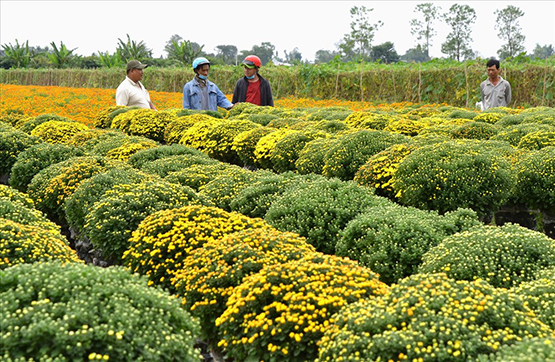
(19, 213)
(103, 119)
(320, 210)
(265, 146)
(538, 140)
(198, 175)
(155, 153)
(527, 350)
(352, 150)
(475, 130)
(175, 129)
(449, 175)
(52, 185)
(513, 134)
(377, 173)
(539, 293)
(98, 137)
(123, 152)
(14, 195)
(211, 272)
(281, 312)
(21, 243)
(244, 144)
(535, 179)
(163, 166)
(364, 120)
(312, 157)
(219, 142)
(488, 117)
(391, 240)
(58, 131)
(79, 313)
(163, 240)
(29, 125)
(286, 151)
(405, 126)
(36, 158)
(332, 126)
(151, 125)
(114, 217)
(11, 145)
(225, 187)
(505, 256)
(80, 202)
(262, 119)
(429, 318)
(198, 134)
(103, 146)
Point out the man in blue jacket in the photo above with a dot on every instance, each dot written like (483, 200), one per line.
(202, 94)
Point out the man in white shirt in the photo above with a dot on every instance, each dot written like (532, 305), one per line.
(131, 91)
(494, 91)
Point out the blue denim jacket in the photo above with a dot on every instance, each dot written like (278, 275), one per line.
(191, 96)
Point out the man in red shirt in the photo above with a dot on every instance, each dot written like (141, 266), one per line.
(253, 88)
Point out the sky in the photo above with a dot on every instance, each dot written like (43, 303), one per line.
(93, 26)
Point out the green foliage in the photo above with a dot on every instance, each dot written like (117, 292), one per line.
(224, 188)
(163, 166)
(528, 350)
(22, 214)
(537, 140)
(108, 141)
(255, 200)
(449, 175)
(162, 241)
(114, 217)
(9, 193)
(264, 313)
(58, 131)
(391, 239)
(429, 317)
(30, 124)
(219, 142)
(312, 157)
(320, 210)
(198, 134)
(286, 151)
(22, 243)
(199, 174)
(36, 158)
(77, 312)
(11, 145)
(377, 173)
(175, 129)
(352, 150)
(514, 133)
(80, 202)
(540, 294)
(505, 256)
(265, 146)
(139, 159)
(535, 179)
(144, 122)
(475, 130)
(52, 185)
(244, 144)
(210, 272)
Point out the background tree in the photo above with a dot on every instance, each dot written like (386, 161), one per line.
(18, 55)
(423, 29)
(228, 53)
(108, 60)
(509, 31)
(184, 52)
(359, 40)
(132, 50)
(293, 57)
(61, 57)
(416, 54)
(385, 53)
(325, 56)
(543, 52)
(265, 51)
(457, 45)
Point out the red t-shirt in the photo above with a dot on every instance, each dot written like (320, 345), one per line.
(253, 93)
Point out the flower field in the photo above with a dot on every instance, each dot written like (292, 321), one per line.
(316, 230)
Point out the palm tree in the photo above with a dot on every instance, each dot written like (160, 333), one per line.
(132, 50)
(61, 57)
(19, 55)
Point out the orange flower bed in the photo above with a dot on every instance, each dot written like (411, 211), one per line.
(83, 104)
